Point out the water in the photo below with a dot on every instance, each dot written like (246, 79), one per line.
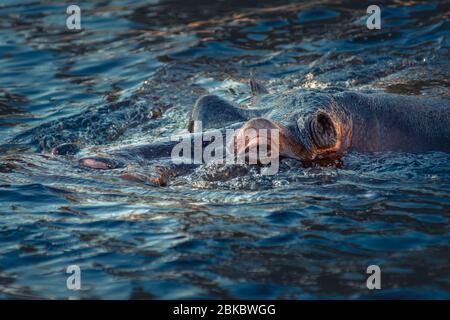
(304, 233)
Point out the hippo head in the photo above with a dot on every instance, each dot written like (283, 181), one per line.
(310, 126)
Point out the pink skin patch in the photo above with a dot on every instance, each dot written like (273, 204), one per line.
(96, 164)
(285, 146)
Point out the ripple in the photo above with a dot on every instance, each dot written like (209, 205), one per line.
(303, 233)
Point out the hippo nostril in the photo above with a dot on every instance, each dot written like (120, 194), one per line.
(255, 149)
(262, 141)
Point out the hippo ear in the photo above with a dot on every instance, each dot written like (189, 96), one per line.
(323, 131)
(257, 88)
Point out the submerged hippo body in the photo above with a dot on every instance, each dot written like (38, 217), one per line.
(316, 125)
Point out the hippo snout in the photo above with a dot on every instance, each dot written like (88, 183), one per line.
(261, 140)
(257, 141)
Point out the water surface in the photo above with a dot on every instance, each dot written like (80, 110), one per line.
(303, 233)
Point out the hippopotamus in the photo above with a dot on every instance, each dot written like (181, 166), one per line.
(312, 125)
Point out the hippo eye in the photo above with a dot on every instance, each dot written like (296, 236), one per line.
(322, 131)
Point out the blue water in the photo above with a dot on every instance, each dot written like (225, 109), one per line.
(303, 233)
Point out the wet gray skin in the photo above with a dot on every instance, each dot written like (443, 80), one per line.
(313, 125)
(316, 124)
